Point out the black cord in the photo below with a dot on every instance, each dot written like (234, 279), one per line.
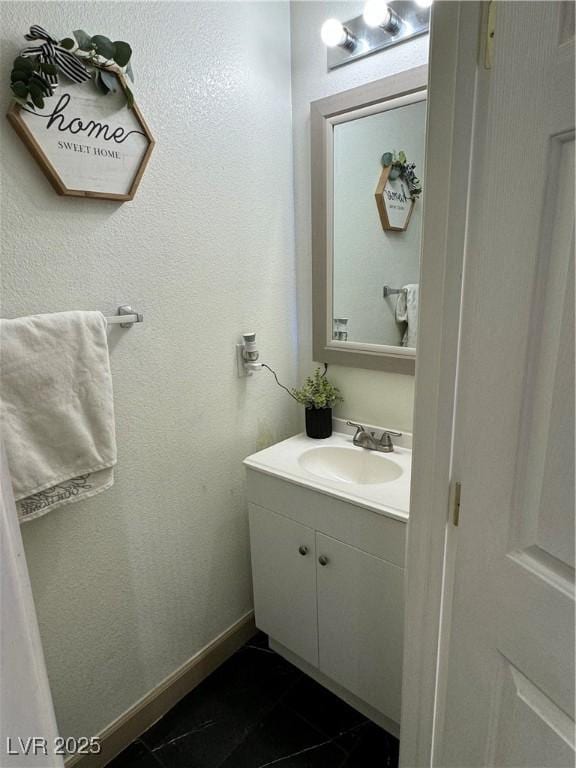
(273, 372)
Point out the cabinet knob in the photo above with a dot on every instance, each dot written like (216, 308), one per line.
(303, 549)
(323, 560)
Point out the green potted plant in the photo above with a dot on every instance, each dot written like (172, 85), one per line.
(318, 396)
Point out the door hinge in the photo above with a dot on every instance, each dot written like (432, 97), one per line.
(490, 35)
(456, 491)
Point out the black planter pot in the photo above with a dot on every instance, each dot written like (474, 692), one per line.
(319, 422)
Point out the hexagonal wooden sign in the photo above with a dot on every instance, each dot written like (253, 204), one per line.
(394, 202)
(87, 144)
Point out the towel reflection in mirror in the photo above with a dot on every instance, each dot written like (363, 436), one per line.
(407, 312)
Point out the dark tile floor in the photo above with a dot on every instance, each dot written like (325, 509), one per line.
(257, 710)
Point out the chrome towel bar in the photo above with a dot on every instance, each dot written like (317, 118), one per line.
(387, 291)
(126, 317)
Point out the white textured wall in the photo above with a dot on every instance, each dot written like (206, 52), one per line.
(371, 396)
(130, 585)
(366, 257)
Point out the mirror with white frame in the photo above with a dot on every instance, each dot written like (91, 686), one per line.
(367, 166)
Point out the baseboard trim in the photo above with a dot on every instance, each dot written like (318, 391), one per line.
(151, 707)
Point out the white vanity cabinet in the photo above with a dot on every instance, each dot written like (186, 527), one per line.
(328, 588)
(360, 623)
(284, 578)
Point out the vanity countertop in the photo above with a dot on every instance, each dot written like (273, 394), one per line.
(391, 498)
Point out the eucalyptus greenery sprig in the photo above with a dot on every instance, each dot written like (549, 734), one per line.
(105, 57)
(27, 80)
(401, 168)
(30, 75)
(318, 392)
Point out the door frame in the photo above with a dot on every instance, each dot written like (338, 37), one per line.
(456, 77)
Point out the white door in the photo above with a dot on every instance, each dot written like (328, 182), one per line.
(509, 688)
(360, 623)
(284, 576)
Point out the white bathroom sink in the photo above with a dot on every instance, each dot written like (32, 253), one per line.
(335, 466)
(349, 465)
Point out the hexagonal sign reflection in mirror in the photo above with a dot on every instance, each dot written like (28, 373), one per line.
(394, 202)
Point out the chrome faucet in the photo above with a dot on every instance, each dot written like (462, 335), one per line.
(369, 440)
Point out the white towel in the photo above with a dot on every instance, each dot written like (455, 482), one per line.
(57, 409)
(407, 312)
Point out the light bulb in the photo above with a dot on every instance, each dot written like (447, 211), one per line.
(379, 14)
(375, 12)
(424, 3)
(333, 33)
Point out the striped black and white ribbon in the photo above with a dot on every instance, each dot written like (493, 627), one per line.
(50, 52)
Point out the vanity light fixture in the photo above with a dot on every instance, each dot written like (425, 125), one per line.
(335, 34)
(382, 25)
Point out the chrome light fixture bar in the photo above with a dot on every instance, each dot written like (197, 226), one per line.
(390, 24)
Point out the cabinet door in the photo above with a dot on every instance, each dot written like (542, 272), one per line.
(284, 575)
(360, 623)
